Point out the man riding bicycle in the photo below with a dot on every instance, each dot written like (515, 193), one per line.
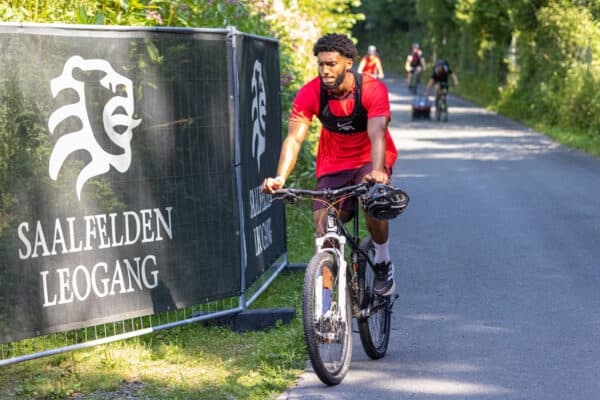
(439, 78)
(371, 64)
(415, 64)
(355, 144)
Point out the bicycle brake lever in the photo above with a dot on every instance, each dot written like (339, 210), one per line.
(290, 198)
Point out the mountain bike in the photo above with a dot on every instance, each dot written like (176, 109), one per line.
(441, 104)
(335, 291)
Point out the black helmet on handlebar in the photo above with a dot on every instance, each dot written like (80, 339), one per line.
(384, 202)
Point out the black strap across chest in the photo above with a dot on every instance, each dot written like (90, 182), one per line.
(355, 122)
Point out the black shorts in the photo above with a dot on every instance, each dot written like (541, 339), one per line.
(340, 179)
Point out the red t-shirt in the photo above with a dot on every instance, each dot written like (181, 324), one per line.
(370, 64)
(339, 152)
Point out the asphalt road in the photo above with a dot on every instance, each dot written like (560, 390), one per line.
(497, 266)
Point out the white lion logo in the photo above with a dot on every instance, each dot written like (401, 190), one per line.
(259, 112)
(117, 112)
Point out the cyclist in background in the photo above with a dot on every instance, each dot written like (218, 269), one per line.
(415, 63)
(355, 144)
(439, 78)
(371, 64)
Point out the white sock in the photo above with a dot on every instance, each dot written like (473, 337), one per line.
(382, 252)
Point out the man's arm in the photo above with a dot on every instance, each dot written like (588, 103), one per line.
(377, 128)
(292, 144)
(455, 79)
(407, 66)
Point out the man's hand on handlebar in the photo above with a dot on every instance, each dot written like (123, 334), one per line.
(377, 177)
(270, 185)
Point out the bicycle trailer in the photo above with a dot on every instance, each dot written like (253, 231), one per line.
(421, 107)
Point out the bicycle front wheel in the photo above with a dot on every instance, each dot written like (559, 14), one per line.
(374, 329)
(327, 325)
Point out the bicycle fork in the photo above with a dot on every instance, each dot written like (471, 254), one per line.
(324, 298)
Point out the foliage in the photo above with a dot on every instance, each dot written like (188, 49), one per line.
(391, 26)
(182, 13)
(534, 60)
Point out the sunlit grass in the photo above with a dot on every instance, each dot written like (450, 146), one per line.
(194, 361)
(586, 141)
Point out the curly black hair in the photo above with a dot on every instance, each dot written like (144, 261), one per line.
(336, 42)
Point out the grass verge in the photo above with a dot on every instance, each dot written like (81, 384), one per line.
(486, 95)
(193, 361)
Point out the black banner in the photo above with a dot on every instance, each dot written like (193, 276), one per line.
(260, 143)
(117, 172)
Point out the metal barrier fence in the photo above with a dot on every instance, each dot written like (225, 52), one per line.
(56, 343)
(200, 107)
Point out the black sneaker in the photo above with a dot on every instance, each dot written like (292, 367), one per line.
(384, 279)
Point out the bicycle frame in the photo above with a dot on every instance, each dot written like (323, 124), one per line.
(338, 233)
(441, 102)
(333, 236)
(335, 292)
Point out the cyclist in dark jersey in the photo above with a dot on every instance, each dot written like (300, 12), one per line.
(439, 77)
(415, 63)
(355, 144)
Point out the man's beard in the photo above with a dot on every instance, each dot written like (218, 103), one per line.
(337, 82)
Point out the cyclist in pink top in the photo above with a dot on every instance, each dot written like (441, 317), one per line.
(355, 144)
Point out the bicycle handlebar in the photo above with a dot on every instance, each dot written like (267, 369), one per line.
(293, 195)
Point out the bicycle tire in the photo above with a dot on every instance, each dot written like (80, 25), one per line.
(374, 330)
(329, 353)
(444, 109)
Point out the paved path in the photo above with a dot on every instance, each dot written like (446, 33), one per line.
(498, 266)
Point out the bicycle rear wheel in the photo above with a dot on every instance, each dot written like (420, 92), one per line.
(375, 329)
(327, 326)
